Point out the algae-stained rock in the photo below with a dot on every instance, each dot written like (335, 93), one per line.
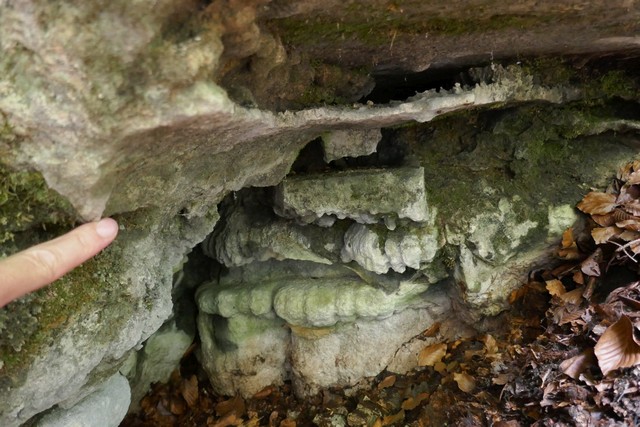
(343, 356)
(366, 196)
(350, 143)
(243, 354)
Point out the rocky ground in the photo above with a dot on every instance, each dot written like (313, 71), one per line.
(566, 353)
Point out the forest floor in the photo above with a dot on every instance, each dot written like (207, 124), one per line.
(567, 353)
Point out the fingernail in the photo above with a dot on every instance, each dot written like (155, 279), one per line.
(106, 228)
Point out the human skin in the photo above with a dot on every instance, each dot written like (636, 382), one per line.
(42, 264)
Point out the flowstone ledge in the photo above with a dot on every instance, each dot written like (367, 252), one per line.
(365, 196)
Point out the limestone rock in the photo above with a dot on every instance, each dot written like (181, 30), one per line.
(350, 143)
(363, 195)
(248, 237)
(107, 406)
(357, 350)
(379, 251)
(243, 354)
(160, 355)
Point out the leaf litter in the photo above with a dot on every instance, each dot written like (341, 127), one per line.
(568, 353)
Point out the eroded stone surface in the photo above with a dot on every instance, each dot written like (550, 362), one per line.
(366, 196)
(349, 143)
(119, 107)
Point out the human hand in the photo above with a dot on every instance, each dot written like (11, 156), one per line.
(42, 264)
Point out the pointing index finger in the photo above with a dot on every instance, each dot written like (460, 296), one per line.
(40, 265)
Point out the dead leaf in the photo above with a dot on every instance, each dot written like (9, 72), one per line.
(567, 238)
(604, 220)
(412, 403)
(287, 422)
(189, 391)
(555, 287)
(490, 344)
(433, 330)
(432, 354)
(230, 419)
(576, 365)
(465, 381)
(393, 419)
(603, 234)
(617, 347)
(265, 392)
(625, 172)
(387, 382)
(578, 277)
(597, 203)
(572, 297)
(629, 224)
(590, 266)
(234, 405)
(632, 207)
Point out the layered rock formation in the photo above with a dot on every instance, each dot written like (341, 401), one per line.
(154, 113)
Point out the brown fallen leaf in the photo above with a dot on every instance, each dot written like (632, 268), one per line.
(465, 381)
(288, 422)
(591, 266)
(432, 354)
(387, 382)
(632, 207)
(411, 403)
(234, 405)
(576, 365)
(572, 297)
(578, 277)
(490, 344)
(604, 234)
(393, 419)
(555, 287)
(597, 203)
(604, 220)
(617, 347)
(189, 391)
(569, 249)
(625, 172)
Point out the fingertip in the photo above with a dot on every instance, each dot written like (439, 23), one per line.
(107, 228)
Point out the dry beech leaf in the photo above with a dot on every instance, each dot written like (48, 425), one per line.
(578, 277)
(628, 235)
(387, 382)
(567, 238)
(632, 207)
(555, 287)
(432, 354)
(597, 203)
(604, 220)
(617, 347)
(629, 224)
(572, 297)
(590, 266)
(189, 390)
(603, 234)
(234, 405)
(576, 365)
(287, 422)
(465, 381)
(411, 403)
(394, 419)
(634, 177)
(625, 171)
(490, 344)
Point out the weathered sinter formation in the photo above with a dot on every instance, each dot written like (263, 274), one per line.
(154, 112)
(332, 275)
